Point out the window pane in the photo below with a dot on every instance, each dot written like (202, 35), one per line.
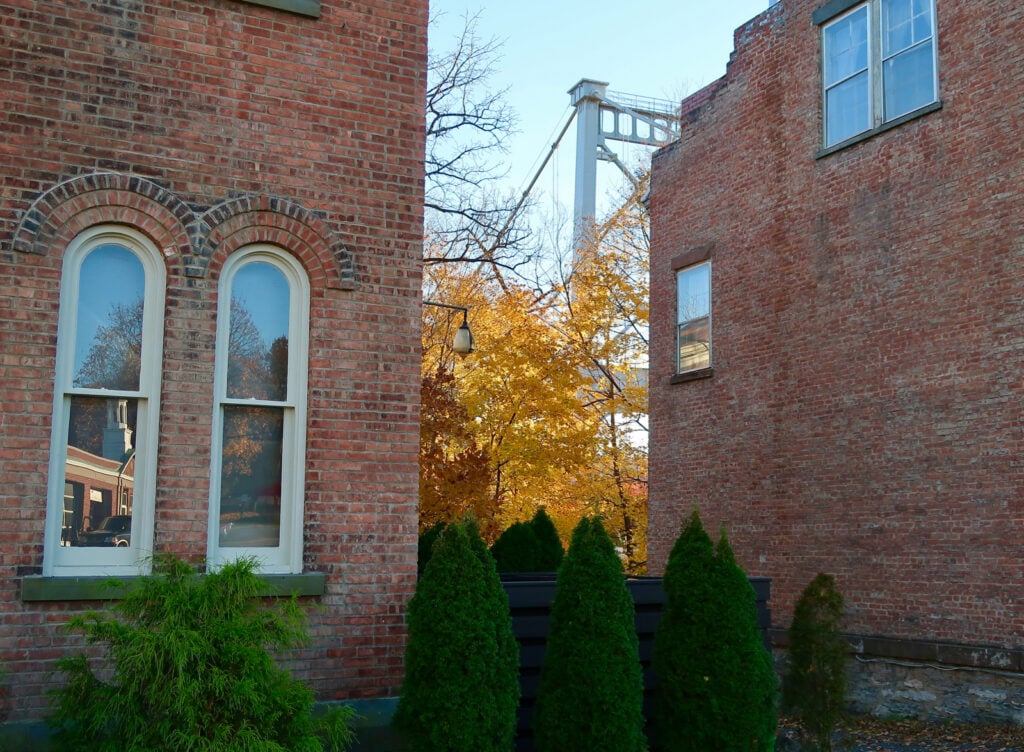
(846, 47)
(108, 336)
(847, 109)
(693, 290)
(904, 24)
(909, 81)
(99, 473)
(258, 334)
(693, 287)
(250, 486)
(695, 345)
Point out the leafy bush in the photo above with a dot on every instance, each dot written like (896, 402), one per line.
(461, 686)
(591, 687)
(815, 685)
(716, 687)
(188, 668)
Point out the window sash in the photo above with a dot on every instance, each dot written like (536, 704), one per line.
(256, 500)
(901, 70)
(104, 475)
(693, 318)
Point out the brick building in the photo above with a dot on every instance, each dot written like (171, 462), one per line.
(210, 243)
(837, 308)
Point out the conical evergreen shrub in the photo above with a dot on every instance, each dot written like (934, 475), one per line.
(590, 696)
(746, 688)
(715, 685)
(815, 686)
(683, 702)
(517, 549)
(426, 542)
(549, 546)
(461, 686)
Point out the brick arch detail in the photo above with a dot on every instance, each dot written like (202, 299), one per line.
(75, 204)
(265, 219)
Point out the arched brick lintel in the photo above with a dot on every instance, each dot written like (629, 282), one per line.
(267, 219)
(78, 203)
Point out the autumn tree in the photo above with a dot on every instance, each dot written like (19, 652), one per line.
(605, 314)
(555, 395)
(454, 469)
(556, 389)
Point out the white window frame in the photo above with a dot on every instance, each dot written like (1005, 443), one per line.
(286, 558)
(75, 561)
(877, 117)
(680, 321)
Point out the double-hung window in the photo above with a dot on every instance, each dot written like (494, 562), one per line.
(879, 64)
(102, 475)
(693, 318)
(257, 479)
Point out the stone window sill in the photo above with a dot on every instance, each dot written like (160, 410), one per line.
(682, 378)
(114, 588)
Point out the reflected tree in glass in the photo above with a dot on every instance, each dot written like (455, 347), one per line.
(253, 434)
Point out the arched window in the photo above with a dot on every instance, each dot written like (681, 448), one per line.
(257, 483)
(102, 478)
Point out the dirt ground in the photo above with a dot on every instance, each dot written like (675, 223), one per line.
(862, 734)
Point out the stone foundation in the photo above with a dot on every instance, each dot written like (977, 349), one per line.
(883, 687)
(931, 681)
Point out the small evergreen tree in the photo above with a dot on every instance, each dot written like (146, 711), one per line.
(746, 688)
(426, 544)
(685, 636)
(461, 686)
(188, 668)
(517, 549)
(591, 688)
(549, 546)
(716, 687)
(815, 685)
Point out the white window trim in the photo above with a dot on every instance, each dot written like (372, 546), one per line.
(710, 363)
(877, 119)
(287, 558)
(62, 561)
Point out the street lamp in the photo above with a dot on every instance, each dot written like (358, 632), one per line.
(463, 341)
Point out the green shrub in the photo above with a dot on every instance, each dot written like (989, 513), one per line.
(747, 685)
(188, 667)
(716, 688)
(426, 542)
(549, 546)
(461, 686)
(532, 546)
(517, 549)
(815, 685)
(591, 688)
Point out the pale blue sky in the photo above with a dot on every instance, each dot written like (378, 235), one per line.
(652, 48)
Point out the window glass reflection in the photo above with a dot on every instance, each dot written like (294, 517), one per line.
(250, 506)
(258, 334)
(108, 336)
(99, 473)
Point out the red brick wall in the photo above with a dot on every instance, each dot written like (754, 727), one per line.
(864, 416)
(246, 124)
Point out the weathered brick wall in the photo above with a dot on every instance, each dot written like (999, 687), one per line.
(208, 125)
(864, 416)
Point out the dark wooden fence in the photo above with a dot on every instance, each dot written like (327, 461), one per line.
(530, 596)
